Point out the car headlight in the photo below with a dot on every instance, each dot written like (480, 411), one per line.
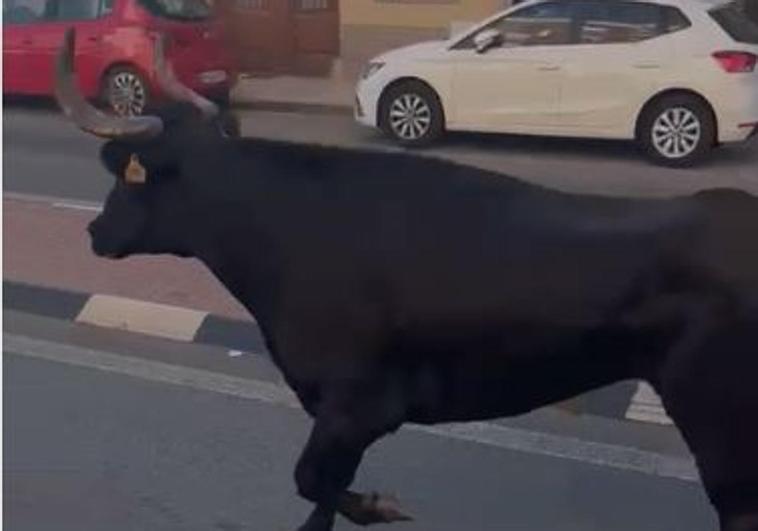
(371, 69)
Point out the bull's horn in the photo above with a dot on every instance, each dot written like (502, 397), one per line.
(87, 117)
(173, 88)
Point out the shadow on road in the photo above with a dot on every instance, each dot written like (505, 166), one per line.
(30, 103)
(587, 149)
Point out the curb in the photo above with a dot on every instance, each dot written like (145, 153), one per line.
(293, 107)
(631, 401)
(160, 320)
(45, 104)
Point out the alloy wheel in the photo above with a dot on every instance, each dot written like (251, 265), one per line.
(126, 94)
(410, 116)
(676, 132)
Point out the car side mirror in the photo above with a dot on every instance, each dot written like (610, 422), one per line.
(489, 38)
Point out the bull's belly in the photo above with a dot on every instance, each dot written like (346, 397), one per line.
(485, 382)
(485, 400)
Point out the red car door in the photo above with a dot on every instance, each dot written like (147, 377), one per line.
(92, 20)
(20, 18)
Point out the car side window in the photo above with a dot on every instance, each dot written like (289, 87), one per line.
(545, 24)
(69, 10)
(619, 22)
(675, 20)
(23, 11)
(106, 7)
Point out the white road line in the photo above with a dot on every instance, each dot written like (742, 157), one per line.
(494, 435)
(79, 206)
(646, 406)
(55, 202)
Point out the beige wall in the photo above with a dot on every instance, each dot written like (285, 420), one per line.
(422, 14)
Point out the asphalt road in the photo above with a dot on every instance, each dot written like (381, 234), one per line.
(98, 437)
(45, 155)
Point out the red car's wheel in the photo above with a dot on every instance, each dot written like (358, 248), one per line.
(125, 92)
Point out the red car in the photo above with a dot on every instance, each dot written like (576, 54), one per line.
(114, 55)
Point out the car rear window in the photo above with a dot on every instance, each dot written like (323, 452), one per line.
(179, 9)
(735, 20)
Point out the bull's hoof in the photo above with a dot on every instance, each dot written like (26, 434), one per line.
(367, 509)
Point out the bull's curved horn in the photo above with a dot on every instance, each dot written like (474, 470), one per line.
(173, 88)
(87, 117)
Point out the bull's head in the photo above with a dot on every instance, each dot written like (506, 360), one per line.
(146, 154)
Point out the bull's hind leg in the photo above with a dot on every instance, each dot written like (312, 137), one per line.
(347, 422)
(710, 391)
(740, 522)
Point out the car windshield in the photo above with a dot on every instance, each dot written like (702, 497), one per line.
(179, 9)
(736, 21)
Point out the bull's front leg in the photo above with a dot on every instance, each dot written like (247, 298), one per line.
(345, 426)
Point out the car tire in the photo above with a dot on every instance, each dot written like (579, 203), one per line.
(125, 92)
(677, 131)
(411, 114)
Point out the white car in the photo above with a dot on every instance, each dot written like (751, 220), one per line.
(677, 76)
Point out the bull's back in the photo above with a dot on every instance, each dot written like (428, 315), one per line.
(542, 258)
(729, 244)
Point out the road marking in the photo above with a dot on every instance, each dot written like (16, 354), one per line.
(79, 206)
(162, 320)
(489, 434)
(55, 202)
(236, 353)
(646, 406)
(150, 370)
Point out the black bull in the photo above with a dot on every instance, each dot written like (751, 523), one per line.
(392, 288)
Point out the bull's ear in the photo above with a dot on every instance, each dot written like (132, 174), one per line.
(135, 172)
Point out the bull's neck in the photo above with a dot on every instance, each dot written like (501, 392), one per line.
(245, 260)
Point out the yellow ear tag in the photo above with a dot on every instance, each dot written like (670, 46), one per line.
(135, 172)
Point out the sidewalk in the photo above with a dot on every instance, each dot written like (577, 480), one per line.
(334, 94)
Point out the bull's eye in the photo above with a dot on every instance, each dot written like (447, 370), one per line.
(135, 172)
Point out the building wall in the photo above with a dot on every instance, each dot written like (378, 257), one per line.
(426, 14)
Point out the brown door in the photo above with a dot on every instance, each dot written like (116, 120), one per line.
(277, 36)
(317, 35)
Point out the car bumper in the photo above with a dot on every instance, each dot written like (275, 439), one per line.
(736, 107)
(738, 132)
(366, 104)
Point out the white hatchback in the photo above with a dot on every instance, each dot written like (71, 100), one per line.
(677, 76)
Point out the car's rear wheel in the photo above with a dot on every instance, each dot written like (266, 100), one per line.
(125, 92)
(677, 130)
(411, 114)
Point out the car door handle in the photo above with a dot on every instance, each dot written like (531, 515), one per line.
(548, 68)
(647, 66)
(27, 42)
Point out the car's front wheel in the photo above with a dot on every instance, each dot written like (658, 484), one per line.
(677, 131)
(125, 92)
(411, 114)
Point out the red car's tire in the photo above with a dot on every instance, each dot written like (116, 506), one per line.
(125, 92)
